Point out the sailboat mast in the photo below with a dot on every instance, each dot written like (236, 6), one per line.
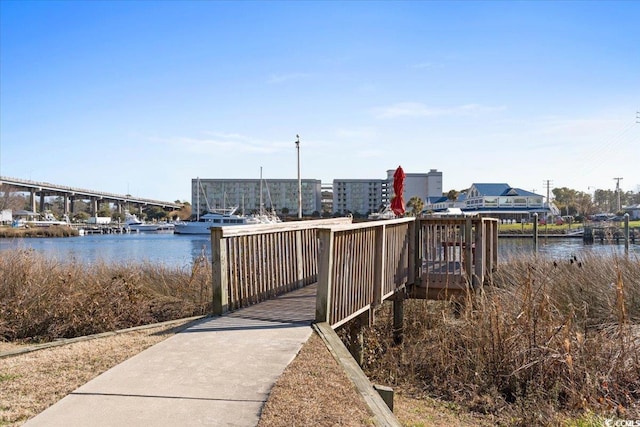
(197, 198)
(261, 205)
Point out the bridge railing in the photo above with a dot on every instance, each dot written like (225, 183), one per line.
(360, 265)
(257, 262)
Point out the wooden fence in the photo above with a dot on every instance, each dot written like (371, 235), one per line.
(360, 265)
(257, 262)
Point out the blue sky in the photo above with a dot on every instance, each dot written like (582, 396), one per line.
(141, 97)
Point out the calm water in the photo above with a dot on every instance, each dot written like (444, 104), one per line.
(175, 250)
(178, 250)
(559, 248)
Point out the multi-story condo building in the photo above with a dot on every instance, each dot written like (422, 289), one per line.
(358, 196)
(248, 194)
(364, 196)
(423, 185)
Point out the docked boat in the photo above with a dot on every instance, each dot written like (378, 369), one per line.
(212, 219)
(385, 213)
(132, 223)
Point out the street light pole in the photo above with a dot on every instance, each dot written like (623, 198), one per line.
(299, 181)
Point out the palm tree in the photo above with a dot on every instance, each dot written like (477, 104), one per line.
(416, 204)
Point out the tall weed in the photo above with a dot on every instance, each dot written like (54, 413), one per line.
(549, 337)
(42, 299)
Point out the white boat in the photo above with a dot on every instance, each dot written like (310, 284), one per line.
(134, 224)
(385, 213)
(264, 216)
(212, 219)
(28, 220)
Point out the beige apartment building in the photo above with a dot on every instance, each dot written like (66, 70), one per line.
(248, 195)
(355, 196)
(363, 196)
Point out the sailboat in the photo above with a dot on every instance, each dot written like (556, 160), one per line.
(264, 216)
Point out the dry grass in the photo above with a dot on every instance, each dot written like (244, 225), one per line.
(314, 390)
(43, 300)
(51, 231)
(31, 382)
(551, 340)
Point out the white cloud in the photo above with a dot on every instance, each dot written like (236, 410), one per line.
(215, 143)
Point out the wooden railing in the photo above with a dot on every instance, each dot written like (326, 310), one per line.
(257, 262)
(356, 266)
(360, 265)
(455, 254)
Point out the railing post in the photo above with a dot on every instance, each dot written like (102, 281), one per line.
(478, 253)
(325, 278)
(626, 234)
(219, 273)
(299, 260)
(398, 317)
(468, 250)
(379, 264)
(412, 253)
(535, 233)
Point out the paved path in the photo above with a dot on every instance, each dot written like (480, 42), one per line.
(218, 372)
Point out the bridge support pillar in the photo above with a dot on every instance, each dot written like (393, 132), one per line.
(65, 208)
(32, 200)
(94, 206)
(41, 201)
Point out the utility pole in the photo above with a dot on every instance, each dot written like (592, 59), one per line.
(548, 183)
(299, 180)
(618, 192)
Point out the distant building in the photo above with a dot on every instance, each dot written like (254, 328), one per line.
(6, 216)
(497, 200)
(344, 196)
(246, 194)
(359, 196)
(633, 211)
(422, 185)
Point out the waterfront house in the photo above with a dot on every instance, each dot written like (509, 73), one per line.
(633, 211)
(497, 200)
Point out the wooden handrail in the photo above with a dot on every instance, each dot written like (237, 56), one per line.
(256, 262)
(360, 265)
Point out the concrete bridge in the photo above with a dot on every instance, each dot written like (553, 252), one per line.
(39, 190)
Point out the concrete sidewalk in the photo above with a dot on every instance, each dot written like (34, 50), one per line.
(218, 372)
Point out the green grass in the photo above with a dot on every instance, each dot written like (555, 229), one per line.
(550, 228)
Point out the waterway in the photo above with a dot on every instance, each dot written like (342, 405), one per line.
(178, 250)
(172, 250)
